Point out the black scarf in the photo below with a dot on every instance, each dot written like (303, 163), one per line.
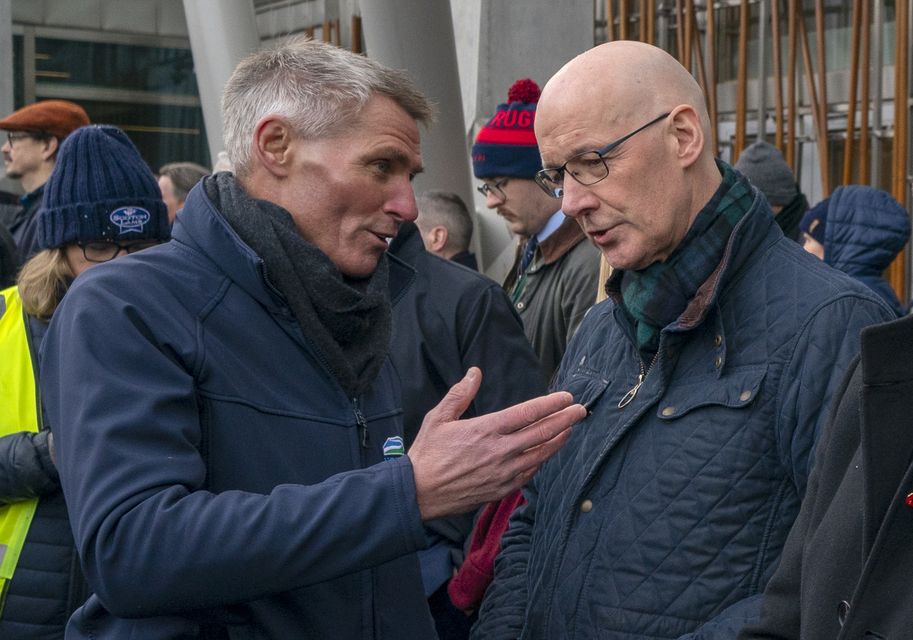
(347, 321)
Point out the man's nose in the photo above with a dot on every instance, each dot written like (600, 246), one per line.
(402, 205)
(576, 198)
(493, 199)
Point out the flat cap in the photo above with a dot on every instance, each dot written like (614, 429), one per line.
(55, 117)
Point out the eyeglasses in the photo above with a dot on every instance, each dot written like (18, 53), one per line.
(495, 188)
(586, 168)
(12, 136)
(106, 251)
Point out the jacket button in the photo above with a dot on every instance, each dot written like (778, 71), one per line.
(586, 506)
(842, 610)
(745, 395)
(668, 411)
(718, 362)
(521, 306)
(717, 340)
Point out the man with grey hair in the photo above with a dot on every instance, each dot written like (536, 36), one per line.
(446, 226)
(176, 179)
(234, 466)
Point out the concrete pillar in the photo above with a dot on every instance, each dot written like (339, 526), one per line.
(6, 80)
(516, 40)
(6, 58)
(417, 35)
(222, 33)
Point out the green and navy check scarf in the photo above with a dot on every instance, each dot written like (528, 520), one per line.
(656, 296)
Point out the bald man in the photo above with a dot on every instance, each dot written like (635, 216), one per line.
(706, 373)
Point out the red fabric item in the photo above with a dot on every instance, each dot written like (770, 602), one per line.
(467, 587)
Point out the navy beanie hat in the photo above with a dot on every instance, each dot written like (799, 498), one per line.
(814, 220)
(101, 190)
(506, 146)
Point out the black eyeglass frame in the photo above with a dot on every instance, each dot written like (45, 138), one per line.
(127, 248)
(495, 187)
(13, 136)
(543, 176)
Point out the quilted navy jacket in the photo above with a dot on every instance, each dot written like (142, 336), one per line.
(865, 229)
(220, 482)
(667, 516)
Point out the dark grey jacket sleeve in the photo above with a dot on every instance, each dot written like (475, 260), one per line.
(26, 469)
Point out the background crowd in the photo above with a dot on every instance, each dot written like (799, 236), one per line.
(278, 400)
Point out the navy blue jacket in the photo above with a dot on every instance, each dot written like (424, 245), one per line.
(865, 230)
(218, 479)
(667, 516)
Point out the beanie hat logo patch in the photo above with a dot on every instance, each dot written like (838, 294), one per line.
(130, 219)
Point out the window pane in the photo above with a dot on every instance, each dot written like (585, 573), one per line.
(120, 66)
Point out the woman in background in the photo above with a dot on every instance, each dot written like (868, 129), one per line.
(101, 202)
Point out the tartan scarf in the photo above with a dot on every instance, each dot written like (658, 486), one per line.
(656, 296)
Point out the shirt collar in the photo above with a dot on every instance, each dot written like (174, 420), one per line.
(551, 226)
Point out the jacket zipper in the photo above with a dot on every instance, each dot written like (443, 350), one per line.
(361, 422)
(627, 398)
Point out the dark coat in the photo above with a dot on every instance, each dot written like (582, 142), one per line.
(559, 287)
(220, 481)
(9, 261)
(24, 225)
(667, 516)
(865, 230)
(47, 585)
(448, 319)
(845, 571)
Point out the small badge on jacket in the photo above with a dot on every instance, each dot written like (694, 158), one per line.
(394, 448)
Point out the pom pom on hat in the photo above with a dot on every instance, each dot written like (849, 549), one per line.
(101, 190)
(506, 145)
(524, 90)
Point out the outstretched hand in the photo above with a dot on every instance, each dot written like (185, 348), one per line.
(461, 464)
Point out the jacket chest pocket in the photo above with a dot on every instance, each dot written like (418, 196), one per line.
(585, 384)
(736, 390)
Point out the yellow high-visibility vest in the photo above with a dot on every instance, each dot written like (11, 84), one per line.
(18, 412)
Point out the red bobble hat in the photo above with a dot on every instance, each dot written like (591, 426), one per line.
(506, 146)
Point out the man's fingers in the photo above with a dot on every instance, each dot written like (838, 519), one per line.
(526, 413)
(527, 463)
(457, 400)
(545, 429)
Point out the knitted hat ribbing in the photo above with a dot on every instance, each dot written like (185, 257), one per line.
(101, 190)
(764, 166)
(506, 146)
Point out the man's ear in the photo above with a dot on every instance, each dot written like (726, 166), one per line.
(51, 145)
(688, 134)
(271, 146)
(437, 238)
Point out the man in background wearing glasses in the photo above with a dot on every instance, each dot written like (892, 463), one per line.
(554, 278)
(33, 136)
(706, 374)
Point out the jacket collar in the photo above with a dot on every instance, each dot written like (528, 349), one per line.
(562, 240)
